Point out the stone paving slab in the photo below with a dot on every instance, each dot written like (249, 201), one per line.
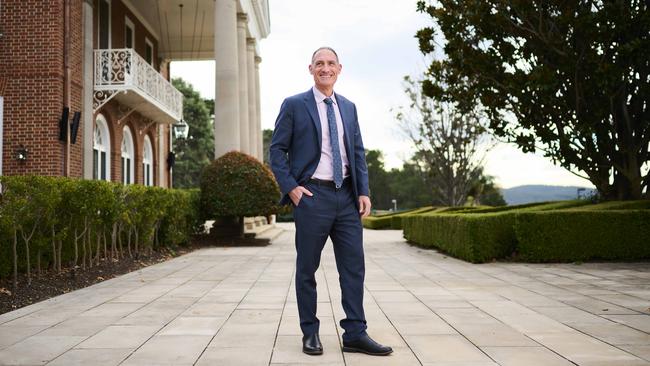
(237, 306)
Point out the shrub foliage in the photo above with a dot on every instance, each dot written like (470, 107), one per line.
(54, 222)
(238, 185)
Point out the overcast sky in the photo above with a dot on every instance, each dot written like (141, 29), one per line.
(376, 46)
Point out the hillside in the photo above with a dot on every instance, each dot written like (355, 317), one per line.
(540, 193)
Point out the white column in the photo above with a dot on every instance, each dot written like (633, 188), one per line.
(87, 120)
(252, 96)
(260, 148)
(244, 137)
(226, 98)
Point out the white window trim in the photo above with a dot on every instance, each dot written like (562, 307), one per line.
(153, 50)
(100, 122)
(130, 151)
(128, 23)
(110, 36)
(147, 161)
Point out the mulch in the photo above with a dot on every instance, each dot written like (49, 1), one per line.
(50, 283)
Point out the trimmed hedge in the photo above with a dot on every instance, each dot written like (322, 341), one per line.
(390, 220)
(480, 235)
(475, 238)
(78, 222)
(580, 235)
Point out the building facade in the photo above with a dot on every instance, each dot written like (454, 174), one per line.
(108, 62)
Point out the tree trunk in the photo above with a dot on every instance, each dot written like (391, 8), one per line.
(54, 256)
(113, 241)
(15, 258)
(128, 243)
(137, 244)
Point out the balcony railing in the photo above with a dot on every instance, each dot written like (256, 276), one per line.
(123, 70)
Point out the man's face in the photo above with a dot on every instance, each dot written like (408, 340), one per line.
(325, 68)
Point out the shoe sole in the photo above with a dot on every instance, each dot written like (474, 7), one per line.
(312, 353)
(359, 350)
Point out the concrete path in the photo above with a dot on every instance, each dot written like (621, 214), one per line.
(236, 306)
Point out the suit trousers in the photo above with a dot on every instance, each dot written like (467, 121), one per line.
(330, 212)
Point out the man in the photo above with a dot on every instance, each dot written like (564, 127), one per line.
(318, 159)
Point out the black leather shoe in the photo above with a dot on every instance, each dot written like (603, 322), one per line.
(311, 345)
(366, 345)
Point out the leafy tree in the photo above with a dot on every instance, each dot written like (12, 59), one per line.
(571, 78)
(485, 191)
(380, 192)
(267, 134)
(447, 139)
(196, 151)
(408, 186)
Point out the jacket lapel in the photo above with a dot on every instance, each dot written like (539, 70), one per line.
(310, 101)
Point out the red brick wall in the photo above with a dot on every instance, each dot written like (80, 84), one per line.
(31, 62)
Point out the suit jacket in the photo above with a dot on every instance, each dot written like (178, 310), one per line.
(296, 144)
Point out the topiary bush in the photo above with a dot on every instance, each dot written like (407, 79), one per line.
(238, 185)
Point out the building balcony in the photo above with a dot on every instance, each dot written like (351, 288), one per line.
(124, 75)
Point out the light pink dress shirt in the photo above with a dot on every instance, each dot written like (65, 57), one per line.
(324, 170)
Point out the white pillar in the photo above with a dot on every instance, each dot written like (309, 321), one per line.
(226, 98)
(260, 148)
(252, 96)
(87, 120)
(244, 137)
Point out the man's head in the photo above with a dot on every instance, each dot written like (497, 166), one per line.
(325, 68)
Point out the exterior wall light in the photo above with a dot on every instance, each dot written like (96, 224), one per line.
(181, 129)
(21, 153)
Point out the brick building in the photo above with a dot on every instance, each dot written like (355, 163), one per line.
(109, 60)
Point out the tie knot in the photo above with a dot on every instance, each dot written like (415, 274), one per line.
(328, 101)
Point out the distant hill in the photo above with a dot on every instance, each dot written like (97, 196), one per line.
(540, 193)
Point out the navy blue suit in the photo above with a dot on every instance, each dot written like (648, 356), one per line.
(295, 153)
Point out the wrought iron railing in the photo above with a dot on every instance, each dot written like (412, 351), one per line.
(123, 69)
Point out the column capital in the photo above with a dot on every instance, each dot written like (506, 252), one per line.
(250, 42)
(242, 18)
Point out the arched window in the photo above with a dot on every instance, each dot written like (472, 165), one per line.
(147, 162)
(127, 156)
(101, 150)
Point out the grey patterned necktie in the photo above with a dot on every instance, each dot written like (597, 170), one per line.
(334, 142)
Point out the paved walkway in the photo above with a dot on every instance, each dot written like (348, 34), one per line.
(236, 306)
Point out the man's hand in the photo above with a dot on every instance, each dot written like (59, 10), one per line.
(364, 206)
(296, 194)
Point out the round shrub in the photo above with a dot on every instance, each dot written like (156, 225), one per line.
(238, 185)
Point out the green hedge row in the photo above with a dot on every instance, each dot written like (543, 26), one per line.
(580, 235)
(552, 231)
(390, 220)
(57, 222)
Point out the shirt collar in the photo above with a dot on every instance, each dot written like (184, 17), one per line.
(320, 97)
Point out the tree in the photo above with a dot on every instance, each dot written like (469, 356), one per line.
(197, 150)
(266, 142)
(380, 192)
(571, 78)
(447, 140)
(485, 191)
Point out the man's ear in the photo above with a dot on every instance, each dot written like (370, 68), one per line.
(311, 71)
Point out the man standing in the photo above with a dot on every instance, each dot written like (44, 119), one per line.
(318, 159)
